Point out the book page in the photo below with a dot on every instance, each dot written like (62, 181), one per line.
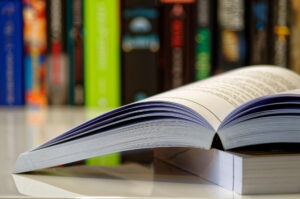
(214, 98)
(296, 91)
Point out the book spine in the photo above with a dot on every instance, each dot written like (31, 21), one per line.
(231, 43)
(295, 36)
(203, 39)
(11, 53)
(140, 46)
(102, 53)
(280, 33)
(56, 55)
(102, 61)
(259, 23)
(74, 40)
(35, 47)
(177, 47)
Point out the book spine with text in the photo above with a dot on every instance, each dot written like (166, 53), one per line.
(280, 33)
(35, 48)
(177, 46)
(231, 41)
(11, 53)
(101, 20)
(74, 26)
(203, 39)
(295, 36)
(102, 53)
(140, 46)
(57, 73)
(258, 24)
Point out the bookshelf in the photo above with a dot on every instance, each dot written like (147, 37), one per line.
(139, 49)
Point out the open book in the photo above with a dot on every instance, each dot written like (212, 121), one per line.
(248, 106)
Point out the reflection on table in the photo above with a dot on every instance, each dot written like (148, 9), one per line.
(129, 180)
(22, 129)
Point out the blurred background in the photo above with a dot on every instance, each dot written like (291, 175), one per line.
(102, 54)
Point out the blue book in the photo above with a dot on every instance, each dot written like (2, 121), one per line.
(11, 52)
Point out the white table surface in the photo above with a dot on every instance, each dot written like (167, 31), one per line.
(22, 129)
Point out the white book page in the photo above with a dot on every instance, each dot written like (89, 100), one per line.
(214, 98)
(296, 91)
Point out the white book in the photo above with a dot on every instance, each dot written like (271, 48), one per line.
(248, 106)
(242, 172)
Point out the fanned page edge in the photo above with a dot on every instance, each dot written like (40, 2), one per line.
(114, 115)
(229, 125)
(184, 133)
(249, 104)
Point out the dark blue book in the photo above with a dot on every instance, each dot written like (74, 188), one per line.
(11, 52)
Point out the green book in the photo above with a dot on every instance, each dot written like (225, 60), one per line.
(102, 53)
(203, 39)
(105, 160)
(102, 61)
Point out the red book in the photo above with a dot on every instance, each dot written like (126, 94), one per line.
(177, 43)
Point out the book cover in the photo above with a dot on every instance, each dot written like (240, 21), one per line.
(102, 53)
(140, 47)
(57, 67)
(35, 47)
(280, 33)
(74, 26)
(203, 38)
(231, 41)
(258, 26)
(11, 53)
(295, 36)
(177, 43)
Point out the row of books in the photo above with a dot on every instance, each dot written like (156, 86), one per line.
(104, 53)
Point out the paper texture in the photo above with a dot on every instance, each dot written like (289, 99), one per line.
(216, 97)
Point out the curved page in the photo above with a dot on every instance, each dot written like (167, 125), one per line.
(160, 132)
(269, 119)
(218, 96)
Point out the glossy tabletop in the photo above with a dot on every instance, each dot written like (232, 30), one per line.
(22, 129)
